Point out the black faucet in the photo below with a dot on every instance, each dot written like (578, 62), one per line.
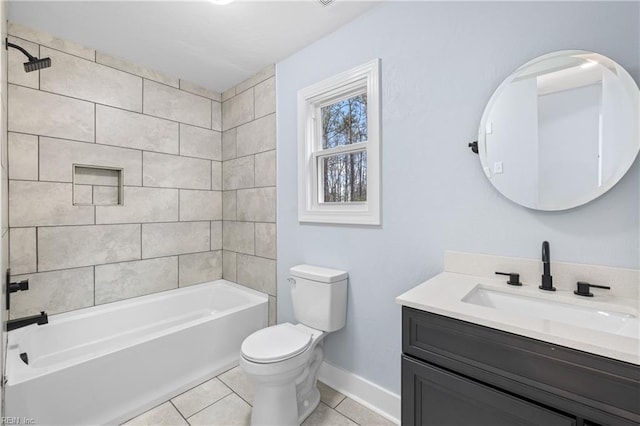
(23, 322)
(547, 281)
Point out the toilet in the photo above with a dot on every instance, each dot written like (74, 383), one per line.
(283, 360)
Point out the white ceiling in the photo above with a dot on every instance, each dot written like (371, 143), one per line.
(210, 45)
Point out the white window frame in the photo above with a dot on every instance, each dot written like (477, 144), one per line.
(359, 80)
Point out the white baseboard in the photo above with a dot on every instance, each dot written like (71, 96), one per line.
(372, 396)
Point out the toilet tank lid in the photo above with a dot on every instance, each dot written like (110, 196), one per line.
(317, 273)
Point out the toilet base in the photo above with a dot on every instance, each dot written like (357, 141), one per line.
(289, 400)
(271, 406)
(306, 406)
(308, 395)
(270, 411)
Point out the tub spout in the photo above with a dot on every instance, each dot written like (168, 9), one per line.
(23, 322)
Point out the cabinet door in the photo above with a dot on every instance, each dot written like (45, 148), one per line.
(433, 396)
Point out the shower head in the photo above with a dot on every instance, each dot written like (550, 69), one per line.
(34, 63)
(37, 64)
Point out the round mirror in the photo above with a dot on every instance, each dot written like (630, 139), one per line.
(561, 130)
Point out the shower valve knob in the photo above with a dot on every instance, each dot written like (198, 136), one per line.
(18, 286)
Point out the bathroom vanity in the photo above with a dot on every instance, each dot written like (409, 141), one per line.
(469, 359)
(482, 351)
(458, 373)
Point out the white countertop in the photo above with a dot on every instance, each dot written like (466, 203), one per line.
(443, 295)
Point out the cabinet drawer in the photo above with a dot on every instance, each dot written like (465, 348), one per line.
(441, 398)
(560, 377)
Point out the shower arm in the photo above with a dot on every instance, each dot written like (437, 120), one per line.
(34, 64)
(15, 46)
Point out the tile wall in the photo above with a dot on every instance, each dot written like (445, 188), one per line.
(249, 184)
(93, 109)
(4, 199)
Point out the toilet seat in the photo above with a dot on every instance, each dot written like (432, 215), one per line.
(276, 343)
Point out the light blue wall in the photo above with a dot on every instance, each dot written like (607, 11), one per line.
(440, 64)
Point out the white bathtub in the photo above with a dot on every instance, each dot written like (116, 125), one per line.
(108, 363)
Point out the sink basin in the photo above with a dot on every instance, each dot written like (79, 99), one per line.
(591, 317)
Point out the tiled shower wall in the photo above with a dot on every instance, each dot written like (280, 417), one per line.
(249, 184)
(4, 200)
(90, 108)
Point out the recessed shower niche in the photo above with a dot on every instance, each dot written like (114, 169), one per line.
(97, 185)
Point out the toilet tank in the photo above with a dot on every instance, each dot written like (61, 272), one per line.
(319, 296)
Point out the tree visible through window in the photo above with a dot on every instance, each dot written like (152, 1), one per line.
(344, 176)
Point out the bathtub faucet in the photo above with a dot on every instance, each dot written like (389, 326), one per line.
(23, 322)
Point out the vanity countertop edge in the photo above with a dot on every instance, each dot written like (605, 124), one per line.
(443, 295)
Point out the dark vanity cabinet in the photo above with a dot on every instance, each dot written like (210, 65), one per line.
(461, 374)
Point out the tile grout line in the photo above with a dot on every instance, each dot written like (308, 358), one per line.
(127, 261)
(236, 206)
(214, 402)
(66, 139)
(39, 73)
(164, 222)
(95, 128)
(236, 273)
(94, 285)
(253, 96)
(113, 106)
(233, 390)
(50, 47)
(36, 249)
(179, 412)
(87, 184)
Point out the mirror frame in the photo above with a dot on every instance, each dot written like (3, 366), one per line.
(621, 170)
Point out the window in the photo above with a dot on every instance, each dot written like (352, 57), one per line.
(339, 148)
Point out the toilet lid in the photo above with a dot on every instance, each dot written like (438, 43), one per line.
(275, 343)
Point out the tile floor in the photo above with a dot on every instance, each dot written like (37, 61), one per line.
(226, 400)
